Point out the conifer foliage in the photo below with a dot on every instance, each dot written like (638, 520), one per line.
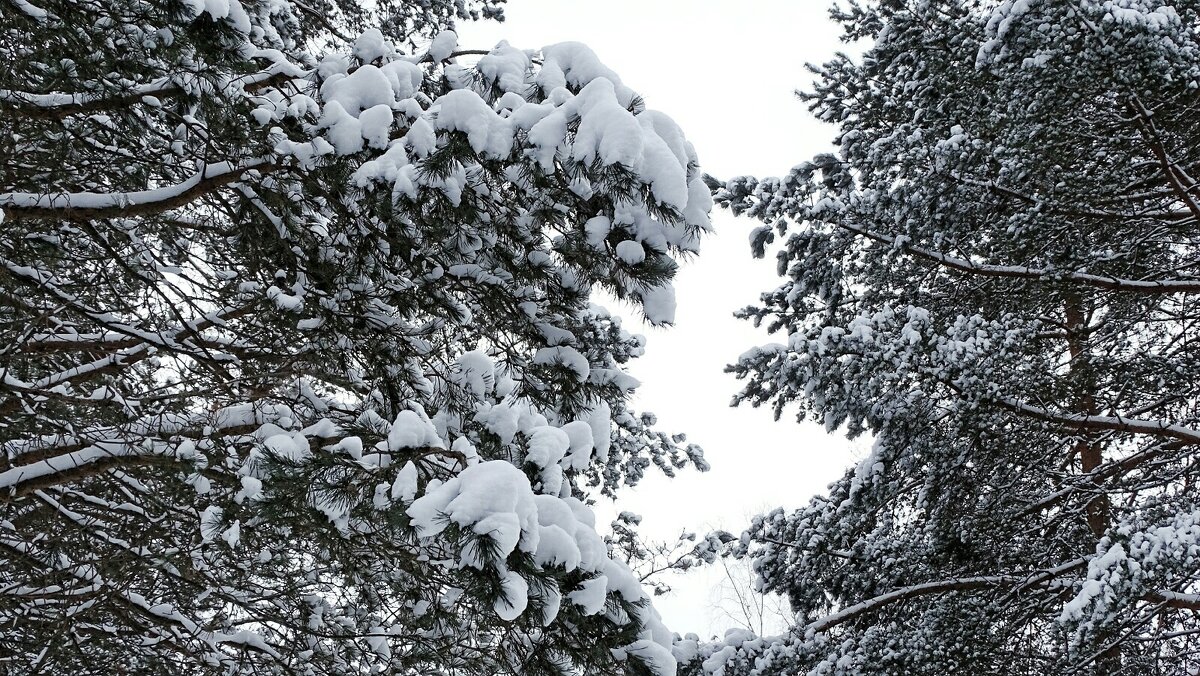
(299, 369)
(995, 276)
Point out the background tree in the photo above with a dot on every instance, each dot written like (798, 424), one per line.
(740, 605)
(995, 276)
(299, 368)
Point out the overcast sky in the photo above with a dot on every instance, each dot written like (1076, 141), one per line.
(725, 71)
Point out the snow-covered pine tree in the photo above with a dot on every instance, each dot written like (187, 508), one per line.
(300, 373)
(995, 276)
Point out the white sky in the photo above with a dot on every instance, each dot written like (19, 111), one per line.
(725, 71)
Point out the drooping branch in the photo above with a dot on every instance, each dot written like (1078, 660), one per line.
(941, 586)
(1049, 578)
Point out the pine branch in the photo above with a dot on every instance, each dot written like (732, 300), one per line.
(94, 205)
(59, 105)
(1164, 286)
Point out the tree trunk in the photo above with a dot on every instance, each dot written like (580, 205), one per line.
(1088, 448)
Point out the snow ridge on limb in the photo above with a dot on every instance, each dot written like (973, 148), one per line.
(298, 361)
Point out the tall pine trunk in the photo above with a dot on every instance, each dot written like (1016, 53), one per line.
(1088, 448)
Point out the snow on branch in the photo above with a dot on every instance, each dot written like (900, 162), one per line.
(955, 584)
(1049, 577)
(1025, 272)
(1171, 599)
(1180, 181)
(58, 105)
(88, 205)
(70, 467)
(1117, 423)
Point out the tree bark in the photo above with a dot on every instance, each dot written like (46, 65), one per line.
(1089, 450)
